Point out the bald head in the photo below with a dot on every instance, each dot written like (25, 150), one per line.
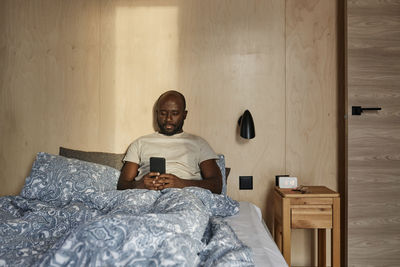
(171, 112)
(175, 95)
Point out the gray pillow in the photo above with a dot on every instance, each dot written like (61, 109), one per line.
(60, 180)
(224, 171)
(103, 158)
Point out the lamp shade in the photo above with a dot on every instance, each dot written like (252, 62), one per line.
(246, 125)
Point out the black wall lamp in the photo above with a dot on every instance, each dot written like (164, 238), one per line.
(246, 125)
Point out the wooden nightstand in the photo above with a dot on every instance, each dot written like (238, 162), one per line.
(318, 208)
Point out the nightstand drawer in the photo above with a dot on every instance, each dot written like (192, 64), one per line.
(311, 216)
(311, 201)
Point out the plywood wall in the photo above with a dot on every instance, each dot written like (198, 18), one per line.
(86, 74)
(312, 101)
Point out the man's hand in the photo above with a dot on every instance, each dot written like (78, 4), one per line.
(168, 180)
(151, 181)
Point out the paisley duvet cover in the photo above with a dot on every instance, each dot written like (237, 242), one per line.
(69, 214)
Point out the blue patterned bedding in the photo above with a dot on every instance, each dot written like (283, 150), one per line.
(69, 214)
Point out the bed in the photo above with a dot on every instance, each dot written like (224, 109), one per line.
(69, 214)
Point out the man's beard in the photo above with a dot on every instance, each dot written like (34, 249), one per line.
(163, 130)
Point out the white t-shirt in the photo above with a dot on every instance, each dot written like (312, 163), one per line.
(183, 154)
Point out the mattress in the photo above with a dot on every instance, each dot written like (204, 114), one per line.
(251, 230)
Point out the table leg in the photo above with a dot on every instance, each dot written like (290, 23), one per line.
(286, 230)
(336, 233)
(321, 247)
(278, 236)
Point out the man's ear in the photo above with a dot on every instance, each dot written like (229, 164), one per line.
(185, 114)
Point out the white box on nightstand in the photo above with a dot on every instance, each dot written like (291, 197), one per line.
(287, 182)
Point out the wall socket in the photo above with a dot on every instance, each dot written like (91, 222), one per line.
(246, 182)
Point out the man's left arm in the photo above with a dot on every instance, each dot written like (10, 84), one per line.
(212, 178)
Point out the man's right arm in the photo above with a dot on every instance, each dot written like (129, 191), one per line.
(127, 177)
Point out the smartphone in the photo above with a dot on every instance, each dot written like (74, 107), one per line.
(157, 165)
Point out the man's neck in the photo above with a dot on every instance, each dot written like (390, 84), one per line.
(175, 134)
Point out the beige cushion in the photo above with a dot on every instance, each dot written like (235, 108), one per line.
(109, 159)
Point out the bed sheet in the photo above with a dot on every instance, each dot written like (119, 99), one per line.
(251, 230)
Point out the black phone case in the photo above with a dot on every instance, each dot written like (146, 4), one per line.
(157, 165)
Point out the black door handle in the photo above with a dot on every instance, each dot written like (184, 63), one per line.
(357, 110)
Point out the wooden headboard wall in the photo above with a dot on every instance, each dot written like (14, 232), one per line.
(86, 74)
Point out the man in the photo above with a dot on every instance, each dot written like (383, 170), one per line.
(190, 161)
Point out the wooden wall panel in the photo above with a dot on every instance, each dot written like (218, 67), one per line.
(49, 81)
(311, 92)
(139, 46)
(311, 102)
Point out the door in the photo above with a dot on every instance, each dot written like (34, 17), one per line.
(373, 140)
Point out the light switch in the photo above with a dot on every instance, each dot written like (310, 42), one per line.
(246, 182)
